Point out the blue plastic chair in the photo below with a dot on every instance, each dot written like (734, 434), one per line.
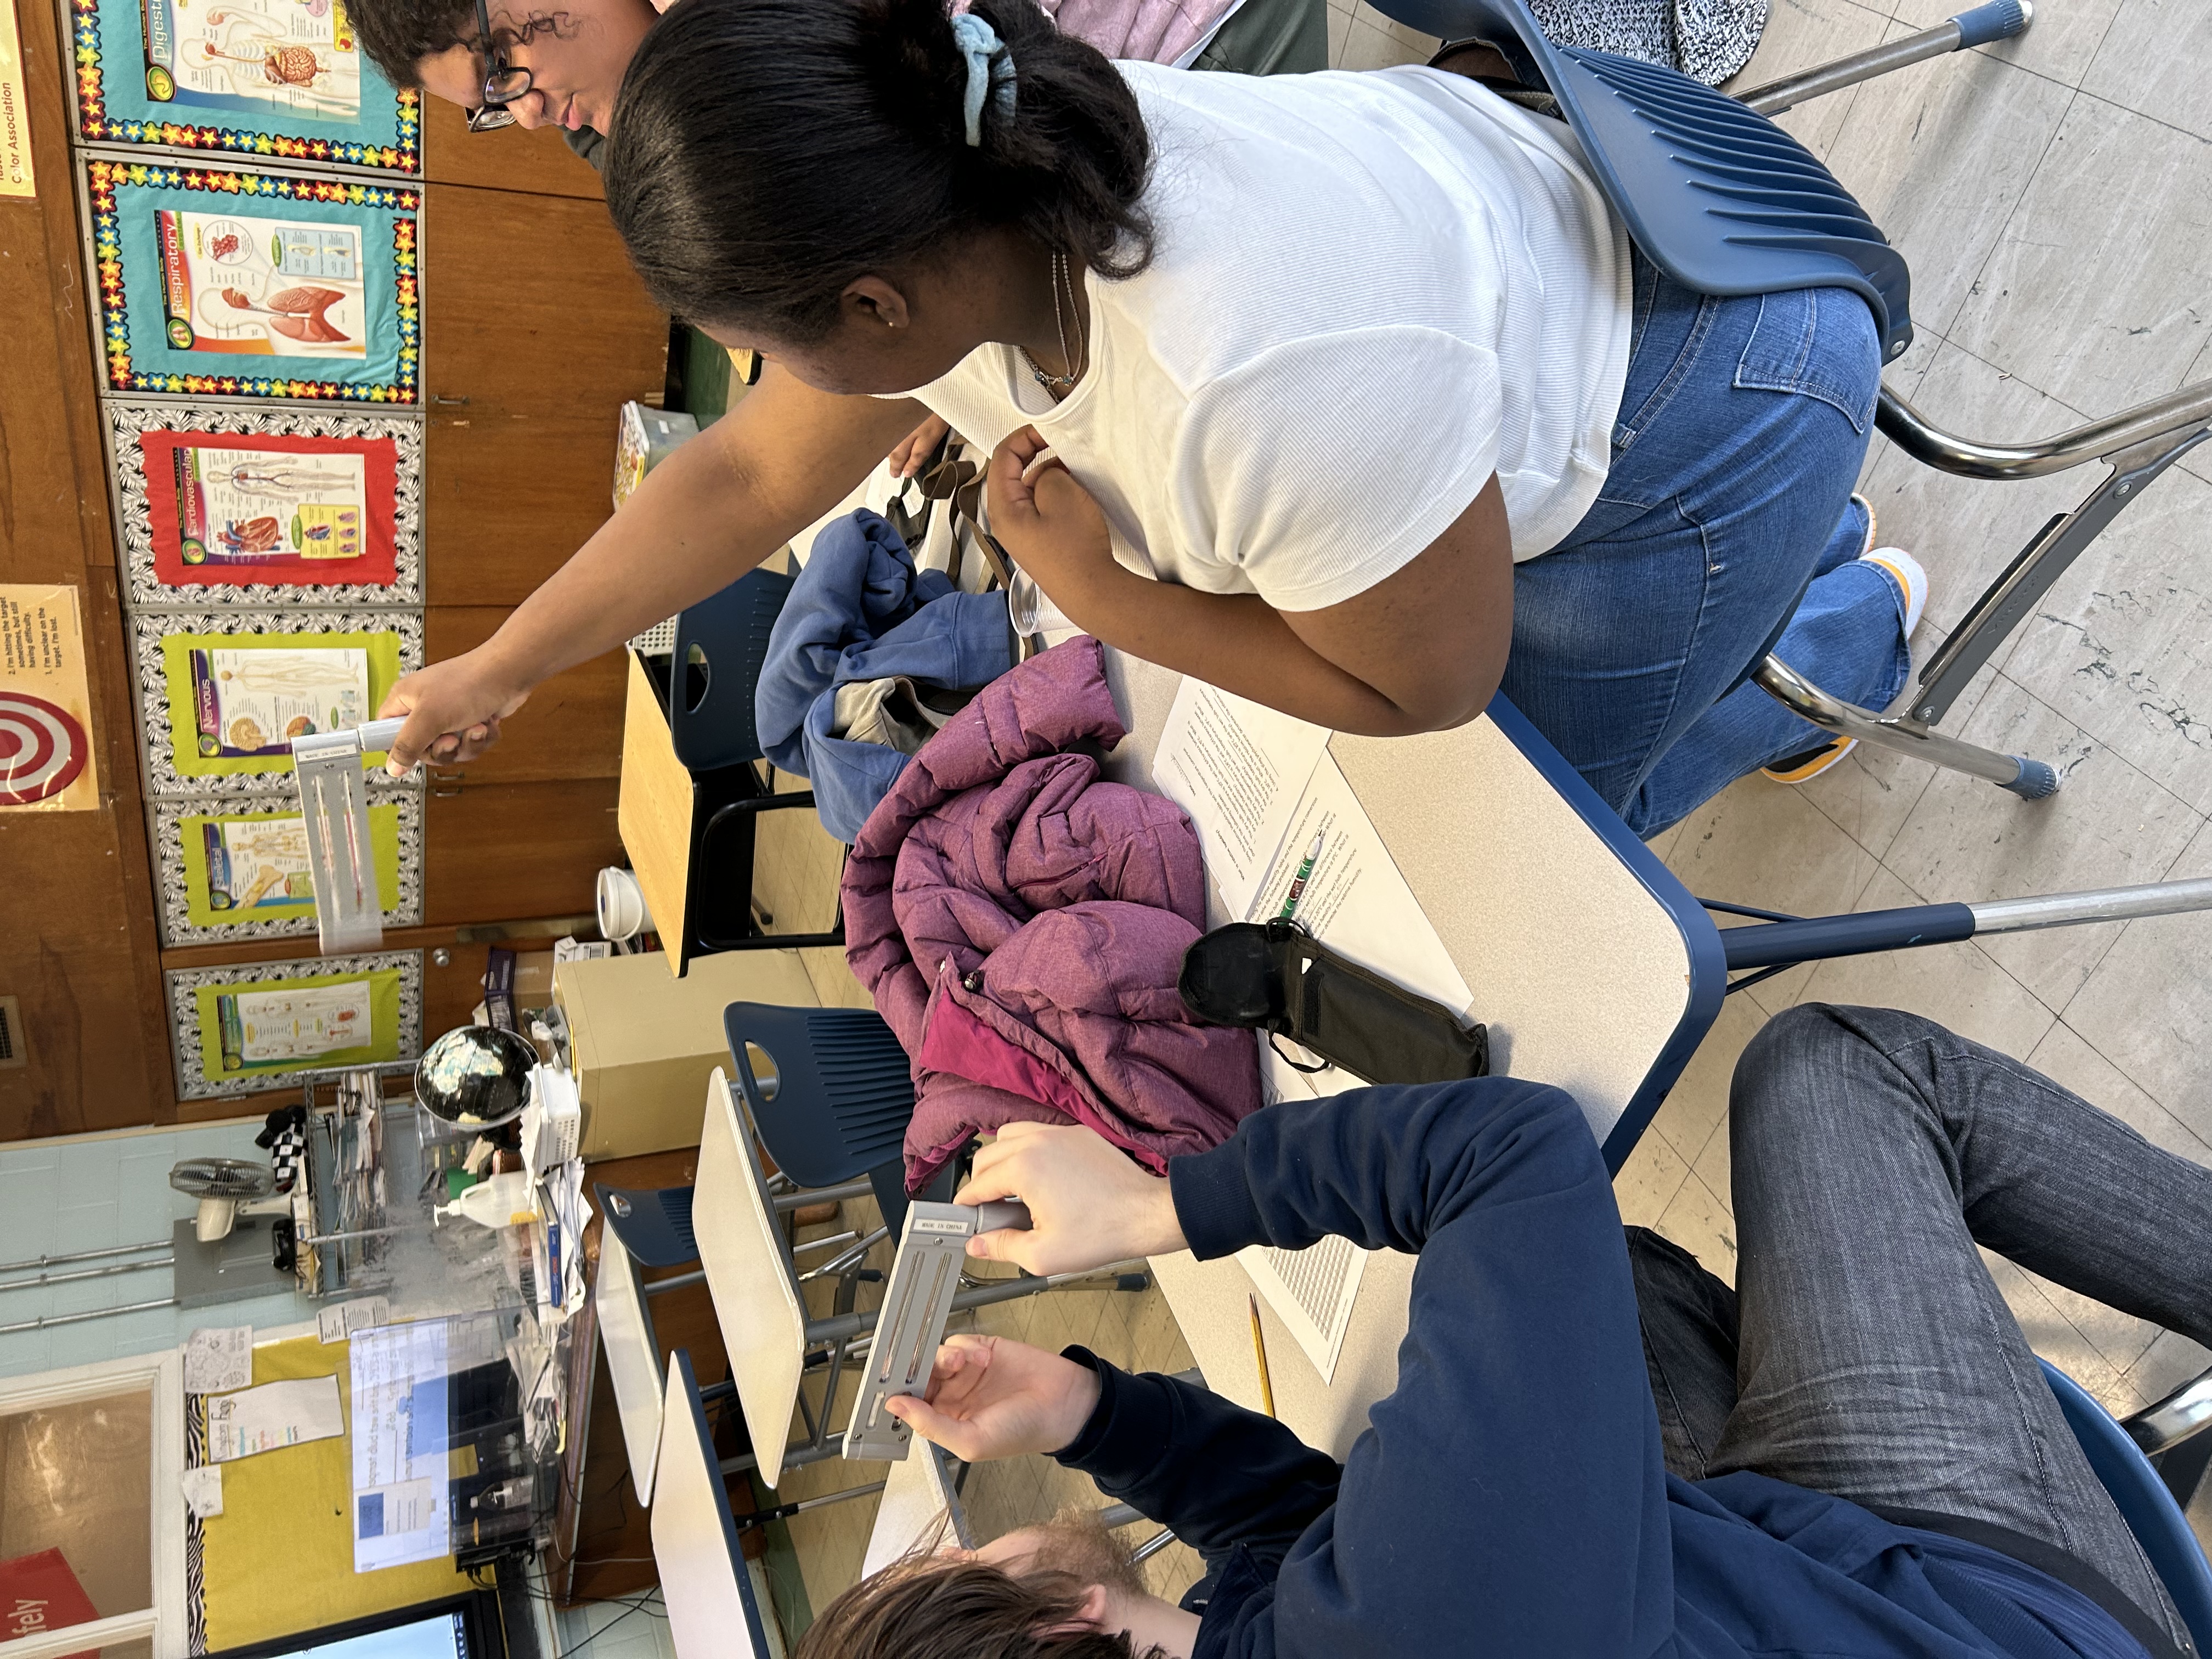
(2141, 1495)
(721, 646)
(654, 1224)
(844, 1093)
(721, 649)
(1718, 198)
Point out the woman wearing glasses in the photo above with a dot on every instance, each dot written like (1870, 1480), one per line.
(1359, 403)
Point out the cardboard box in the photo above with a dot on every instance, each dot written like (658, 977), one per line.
(643, 1044)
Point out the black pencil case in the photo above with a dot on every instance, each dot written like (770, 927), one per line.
(1275, 976)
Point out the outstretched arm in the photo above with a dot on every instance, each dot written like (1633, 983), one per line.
(1514, 1477)
(711, 512)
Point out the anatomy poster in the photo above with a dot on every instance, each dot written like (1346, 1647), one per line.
(236, 701)
(47, 763)
(295, 1025)
(282, 78)
(300, 512)
(245, 506)
(255, 284)
(254, 867)
(247, 283)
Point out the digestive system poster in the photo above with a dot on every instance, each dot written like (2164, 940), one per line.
(242, 511)
(255, 284)
(237, 701)
(254, 867)
(258, 77)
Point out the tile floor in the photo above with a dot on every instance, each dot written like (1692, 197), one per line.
(2052, 193)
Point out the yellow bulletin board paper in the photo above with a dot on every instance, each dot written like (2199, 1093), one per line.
(47, 763)
(16, 176)
(279, 1558)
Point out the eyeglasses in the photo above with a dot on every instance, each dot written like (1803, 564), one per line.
(504, 82)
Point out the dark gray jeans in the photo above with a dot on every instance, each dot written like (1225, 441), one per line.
(1865, 1351)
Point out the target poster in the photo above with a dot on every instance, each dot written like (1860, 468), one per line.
(45, 714)
(240, 510)
(281, 78)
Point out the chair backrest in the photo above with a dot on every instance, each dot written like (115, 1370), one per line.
(654, 1224)
(1717, 196)
(2143, 1503)
(706, 1587)
(721, 644)
(844, 1088)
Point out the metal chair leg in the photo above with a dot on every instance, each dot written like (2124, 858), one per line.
(2031, 780)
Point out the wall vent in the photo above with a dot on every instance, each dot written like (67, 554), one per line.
(13, 1046)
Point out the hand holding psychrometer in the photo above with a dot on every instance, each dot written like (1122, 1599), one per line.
(1088, 1204)
(990, 1396)
(451, 710)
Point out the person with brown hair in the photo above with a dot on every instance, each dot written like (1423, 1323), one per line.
(1595, 1449)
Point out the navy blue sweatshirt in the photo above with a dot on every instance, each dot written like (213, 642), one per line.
(1510, 1498)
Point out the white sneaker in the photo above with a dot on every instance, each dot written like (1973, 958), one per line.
(1912, 581)
(1906, 571)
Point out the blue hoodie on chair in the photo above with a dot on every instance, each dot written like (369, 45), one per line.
(860, 612)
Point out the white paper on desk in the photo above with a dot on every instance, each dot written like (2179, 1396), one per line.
(275, 1414)
(203, 1490)
(1238, 769)
(1311, 1290)
(336, 1321)
(217, 1361)
(1355, 900)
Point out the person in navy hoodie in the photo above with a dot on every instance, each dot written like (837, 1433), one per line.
(1852, 1454)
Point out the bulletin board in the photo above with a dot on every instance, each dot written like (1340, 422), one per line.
(231, 505)
(249, 1027)
(238, 869)
(222, 694)
(230, 283)
(285, 78)
(278, 1560)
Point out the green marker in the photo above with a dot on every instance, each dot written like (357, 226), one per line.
(1298, 882)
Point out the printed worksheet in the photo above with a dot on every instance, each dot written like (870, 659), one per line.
(261, 861)
(1238, 767)
(302, 1023)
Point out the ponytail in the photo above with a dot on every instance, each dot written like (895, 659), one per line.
(766, 153)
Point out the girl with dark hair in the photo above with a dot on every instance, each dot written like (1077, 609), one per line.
(1344, 392)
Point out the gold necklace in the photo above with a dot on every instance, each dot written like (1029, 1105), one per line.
(1059, 382)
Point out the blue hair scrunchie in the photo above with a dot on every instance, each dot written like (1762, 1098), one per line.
(990, 73)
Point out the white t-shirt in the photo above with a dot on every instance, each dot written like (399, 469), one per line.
(1370, 292)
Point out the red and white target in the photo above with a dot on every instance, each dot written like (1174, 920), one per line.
(42, 749)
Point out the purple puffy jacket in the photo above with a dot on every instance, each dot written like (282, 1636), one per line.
(1020, 925)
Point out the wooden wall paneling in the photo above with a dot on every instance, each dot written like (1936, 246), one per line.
(511, 158)
(76, 911)
(571, 727)
(512, 490)
(508, 852)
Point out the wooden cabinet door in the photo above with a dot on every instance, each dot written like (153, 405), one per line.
(535, 333)
(514, 851)
(571, 727)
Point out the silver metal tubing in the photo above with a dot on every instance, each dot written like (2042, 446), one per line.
(842, 1327)
(824, 1242)
(52, 1319)
(786, 1202)
(1152, 1546)
(1803, 698)
(1791, 90)
(2166, 1425)
(1911, 431)
(42, 1262)
(846, 1260)
(88, 1272)
(2160, 898)
(674, 1282)
(1118, 1514)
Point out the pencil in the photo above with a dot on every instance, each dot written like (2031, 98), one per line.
(1260, 1353)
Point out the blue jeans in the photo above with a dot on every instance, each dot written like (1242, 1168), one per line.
(1742, 428)
(1865, 1351)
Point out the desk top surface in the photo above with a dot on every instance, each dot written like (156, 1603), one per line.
(1586, 959)
(708, 1594)
(653, 811)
